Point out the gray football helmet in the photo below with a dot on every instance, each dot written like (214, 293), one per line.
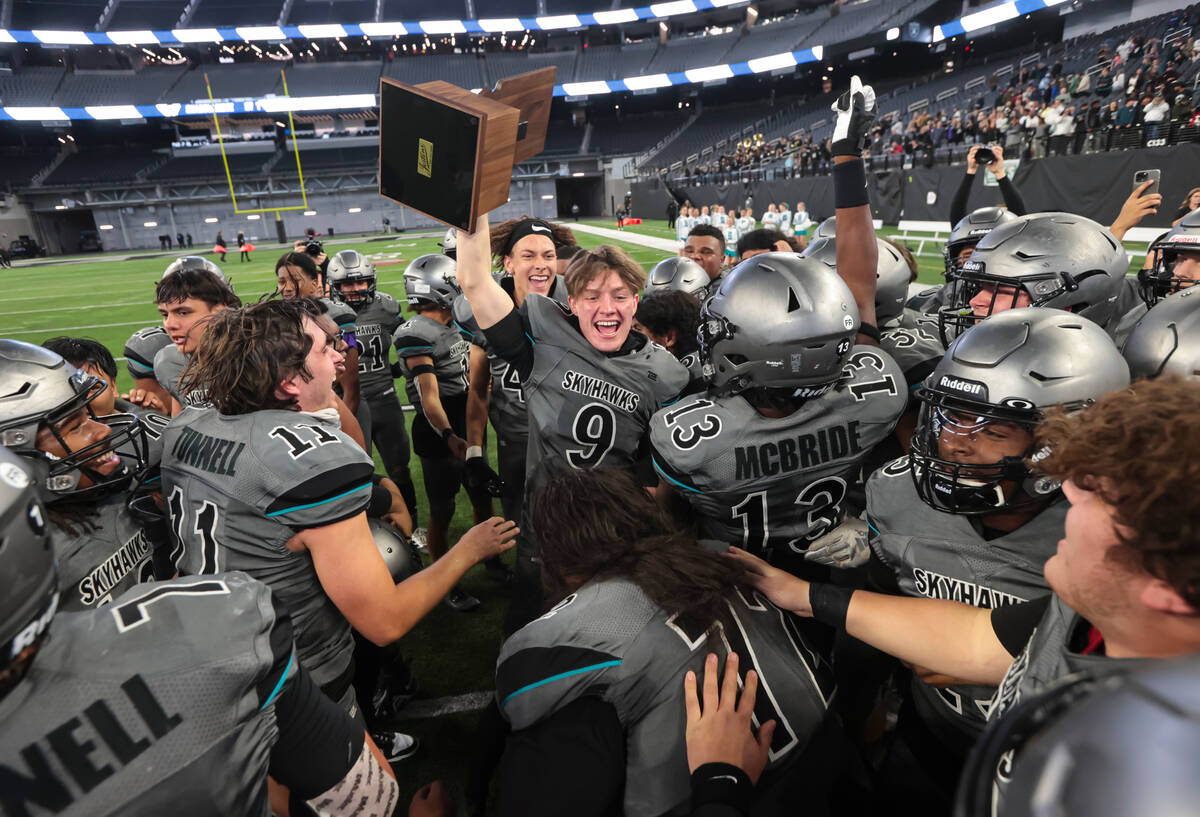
(1167, 339)
(968, 232)
(39, 389)
(1086, 747)
(351, 265)
(1058, 260)
(194, 262)
(430, 281)
(677, 273)
(777, 321)
(449, 243)
(1009, 369)
(27, 564)
(892, 274)
(1160, 281)
(399, 554)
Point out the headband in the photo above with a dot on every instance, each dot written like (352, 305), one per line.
(527, 226)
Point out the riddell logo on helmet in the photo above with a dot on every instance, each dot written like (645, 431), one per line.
(965, 386)
(972, 266)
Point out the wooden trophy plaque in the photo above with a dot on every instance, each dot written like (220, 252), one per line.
(448, 153)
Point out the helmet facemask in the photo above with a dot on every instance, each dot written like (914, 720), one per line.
(958, 315)
(972, 489)
(1160, 281)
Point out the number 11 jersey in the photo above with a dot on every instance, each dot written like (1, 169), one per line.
(773, 485)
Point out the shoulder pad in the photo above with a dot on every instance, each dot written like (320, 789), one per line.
(417, 335)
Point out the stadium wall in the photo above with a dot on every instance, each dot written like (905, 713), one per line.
(60, 234)
(1094, 185)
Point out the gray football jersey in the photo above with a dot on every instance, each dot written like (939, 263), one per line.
(95, 566)
(342, 313)
(772, 485)
(943, 556)
(423, 336)
(161, 703)
(238, 487)
(928, 301)
(373, 330)
(1046, 659)
(141, 348)
(586, 409)
(608, 639)
(506, 400)
(169, 364)
(913, 341)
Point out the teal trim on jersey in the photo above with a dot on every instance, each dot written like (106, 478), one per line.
(280, 512)
(133, 364)
(873, 528)
(462, 330)
(672, 402)
(531, 340)
(671, 479)
(559, 677)
(400, 349)
(282, 678)
(914, 387)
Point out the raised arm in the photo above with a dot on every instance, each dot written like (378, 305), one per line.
(857, 255)
(488, 301)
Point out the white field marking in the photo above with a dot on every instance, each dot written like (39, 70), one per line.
(436, 707)
(77, 306)
(61, 329)
(666, 244)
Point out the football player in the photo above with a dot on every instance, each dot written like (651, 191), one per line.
(191, 682)
(352, 280)
(1177, 261)
(592, 689)
(139, 352)
(92, 357)
(966, 233)
(679, 273)
(268, 484)
(1167, 339)
(764, 239)
(706, 246)
(671, 318)
(1123, 575)
(527, 251)
(590, 383)
(434, 358)
(993, 523)
(84, 464)
(191, 291)
(1057, 260)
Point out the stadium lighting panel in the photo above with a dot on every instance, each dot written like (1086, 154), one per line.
(149, 223)
(354, 210)
(104, 227)
(211, 220)
(310, 212)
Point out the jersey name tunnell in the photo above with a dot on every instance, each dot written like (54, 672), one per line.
(212, 454)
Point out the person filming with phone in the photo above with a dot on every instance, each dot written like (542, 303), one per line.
(992, 158)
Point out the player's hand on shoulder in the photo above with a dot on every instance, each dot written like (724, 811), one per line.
(845, 546)
(718, 730)
(782, 588)
(431, 800)
(489, 538)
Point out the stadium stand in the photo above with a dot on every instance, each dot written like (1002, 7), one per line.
(18, 166)
(116, 87)
(226, 80)
(99, 165)
(689, 52)
(209, 166)
(498, 66)
(771, 38)
(319, 79)
(857, 19)
(632, 135)
(54, 14)
(562, 139)
(29, 86)
(465, 71)
(326, 159)
(151, 14)
(344, 11)
(711, 126)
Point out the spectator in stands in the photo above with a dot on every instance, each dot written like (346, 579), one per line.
(1154, 115)
(1104, 83)
(1190, 202)
(1061, 131)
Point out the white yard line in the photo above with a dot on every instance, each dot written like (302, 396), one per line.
(666, 244)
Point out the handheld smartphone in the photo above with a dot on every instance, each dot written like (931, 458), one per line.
(1140, 177)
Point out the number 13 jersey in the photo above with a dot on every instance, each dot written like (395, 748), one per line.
(772, 485)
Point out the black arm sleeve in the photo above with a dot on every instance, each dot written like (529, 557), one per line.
(958, 207)
(571, 763)
(318, 742)
(509, 337)
(1014, 624)
(1012, 197)
(720, 790)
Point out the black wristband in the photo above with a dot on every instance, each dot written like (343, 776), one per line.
(850, 184)
(721, 783)
(870, 330)
(447, 433)
(829, 603)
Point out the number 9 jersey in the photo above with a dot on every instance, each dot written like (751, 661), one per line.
(773, 485)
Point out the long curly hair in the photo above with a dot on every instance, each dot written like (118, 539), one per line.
(560, 234)
(1140, 450)
(600, 524)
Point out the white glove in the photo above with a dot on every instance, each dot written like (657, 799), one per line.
(855, 111)
(844, 546)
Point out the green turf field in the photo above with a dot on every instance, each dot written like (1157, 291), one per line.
(108, 297)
